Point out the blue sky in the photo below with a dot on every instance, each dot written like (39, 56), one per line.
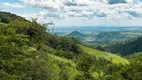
(78, 12)
(27, 9)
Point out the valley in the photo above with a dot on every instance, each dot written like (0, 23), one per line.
(100, 35)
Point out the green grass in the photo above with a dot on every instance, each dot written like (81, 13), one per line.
(71, 70)
(3, 24)
(72, 73)
(56, 58)
(114, 58)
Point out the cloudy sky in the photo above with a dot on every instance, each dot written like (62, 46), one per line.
(78, 12)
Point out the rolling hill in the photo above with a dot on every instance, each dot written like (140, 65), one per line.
(75, 33)
(126, 48)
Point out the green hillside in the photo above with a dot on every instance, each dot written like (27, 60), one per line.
(126, 48)
(112, 57)
(29, 52)
(6, 17)
(70, 67)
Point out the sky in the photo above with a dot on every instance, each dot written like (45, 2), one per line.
(78, 12)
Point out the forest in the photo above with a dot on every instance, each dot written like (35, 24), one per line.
(28, 51)
(131, 46)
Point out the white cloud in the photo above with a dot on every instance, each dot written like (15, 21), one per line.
(43, 16)
(53, 5)
(16, 5)
(47, 14)
(87, 9)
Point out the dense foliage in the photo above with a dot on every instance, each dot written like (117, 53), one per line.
(8, 17)
(125, 48)
(23, 51)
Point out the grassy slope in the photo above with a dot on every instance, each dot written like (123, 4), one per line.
(71, 70)
(56, 58)
(109, 56)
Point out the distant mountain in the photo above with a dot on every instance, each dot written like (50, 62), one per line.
(104, 38)
(109, 37)
(75, 33)
(128, 47)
